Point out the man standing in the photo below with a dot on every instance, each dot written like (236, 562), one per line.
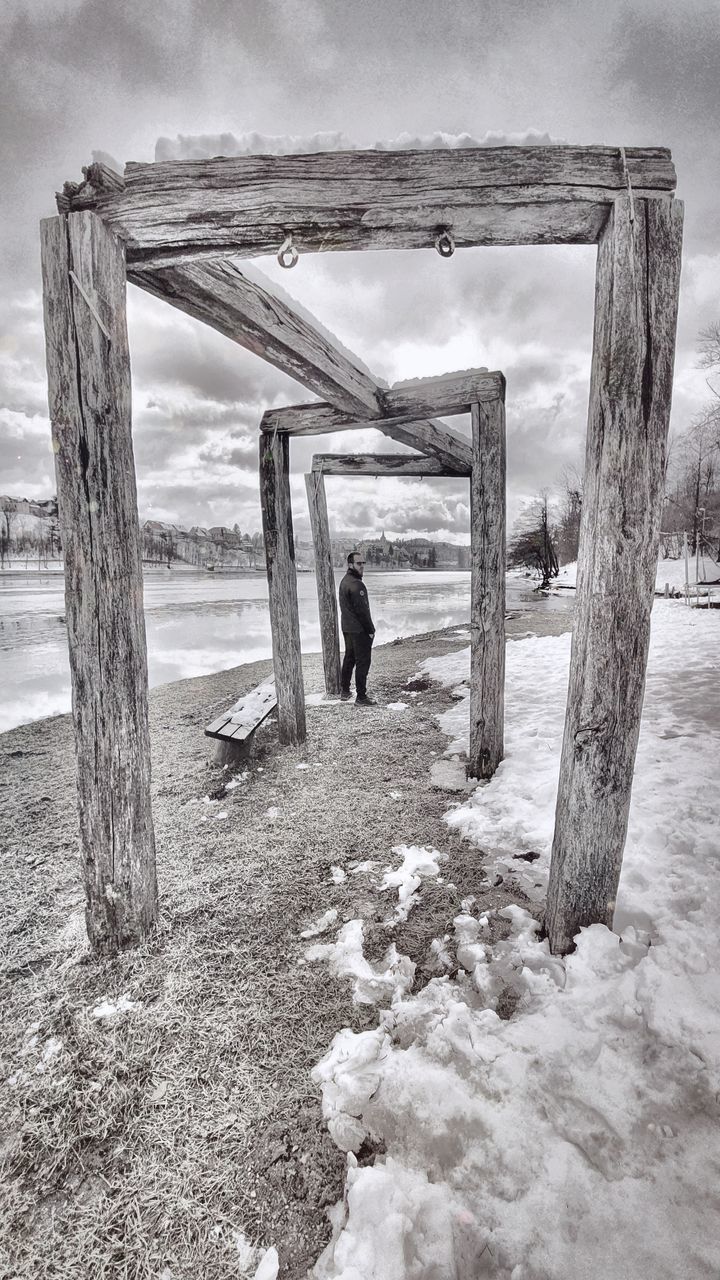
(358, 631)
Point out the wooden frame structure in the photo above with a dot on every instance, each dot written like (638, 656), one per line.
(486, 470)
(175, 229)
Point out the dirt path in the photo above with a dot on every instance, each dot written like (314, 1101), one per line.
(137, 1144)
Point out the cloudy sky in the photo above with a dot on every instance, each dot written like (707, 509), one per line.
(135, 80)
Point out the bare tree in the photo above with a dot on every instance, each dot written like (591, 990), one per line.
(7, 510)
(692, 497)
(568, 529)
(709, 353)
(533, 543)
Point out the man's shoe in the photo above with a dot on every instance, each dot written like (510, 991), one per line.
(365, 701)
(345, 695)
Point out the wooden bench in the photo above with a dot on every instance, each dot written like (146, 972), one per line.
(235, 727)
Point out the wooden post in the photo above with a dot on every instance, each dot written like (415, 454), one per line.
(282, 584)
(636, 297)
(88, 365)
(325, 580)
(487, 603)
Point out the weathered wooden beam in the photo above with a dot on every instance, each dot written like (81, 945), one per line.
(88, 366)
(403, 405)
(406, 407)
(636, 298)
(282, 586)
(325, 581)
(219, 294)
(100, 183)
(448, 446)
(487, 590)
(379, 464)
(179, 210)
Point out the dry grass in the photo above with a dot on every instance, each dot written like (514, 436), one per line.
(136, 1146)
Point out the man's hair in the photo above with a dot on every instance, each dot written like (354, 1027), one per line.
(351, 557)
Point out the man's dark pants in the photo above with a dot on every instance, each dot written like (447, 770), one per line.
(358, 652)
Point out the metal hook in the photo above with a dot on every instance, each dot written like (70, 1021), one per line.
(444, 243)
(287, 249)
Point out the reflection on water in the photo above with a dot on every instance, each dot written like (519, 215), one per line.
(198, 623)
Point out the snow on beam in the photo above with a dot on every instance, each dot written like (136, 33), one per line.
(238, 304)
(179, 210)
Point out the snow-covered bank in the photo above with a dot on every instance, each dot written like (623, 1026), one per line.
(669, 573)
(579, 1138)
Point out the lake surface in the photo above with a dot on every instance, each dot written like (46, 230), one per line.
(198, 622)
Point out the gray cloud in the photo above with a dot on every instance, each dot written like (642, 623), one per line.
(80, 75)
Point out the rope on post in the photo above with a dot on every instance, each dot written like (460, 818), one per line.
(91, 305)
(288, 254)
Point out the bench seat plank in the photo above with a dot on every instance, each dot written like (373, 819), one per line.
(244, 717)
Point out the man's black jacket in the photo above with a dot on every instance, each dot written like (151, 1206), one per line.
(354, 607)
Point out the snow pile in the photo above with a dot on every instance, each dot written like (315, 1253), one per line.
(255, 1264)
(349, 1075)
(417, 862)
(373, 983)
(320, 925)
(515, 813)
(579, 1137)
(206, 146)
(111, 1008)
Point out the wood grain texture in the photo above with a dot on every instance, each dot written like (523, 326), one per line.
(220, 295)
(448, 446)
(636, 298)
(449, 394)
(89, 397)
(487, 591)
(378, 464)
(177, 210)
(282, 586)
(325, 581)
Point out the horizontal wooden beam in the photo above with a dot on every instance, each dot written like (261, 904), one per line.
(405, 409)
(379, 464)
(219, 294)
(448, 446)
(179, 210)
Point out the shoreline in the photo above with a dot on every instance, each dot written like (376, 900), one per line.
(518, 624)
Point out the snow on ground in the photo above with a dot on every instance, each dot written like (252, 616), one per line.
(372, 982)
(579, 1138)
(417, 863)
(670, 572)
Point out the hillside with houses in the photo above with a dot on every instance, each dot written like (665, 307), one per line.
(30, 539)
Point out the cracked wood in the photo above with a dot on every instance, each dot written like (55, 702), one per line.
(324, 581)
(282, 586)
(637, 284)
(89, 398)
(487, 590)
(179, 210)
(379, 464)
